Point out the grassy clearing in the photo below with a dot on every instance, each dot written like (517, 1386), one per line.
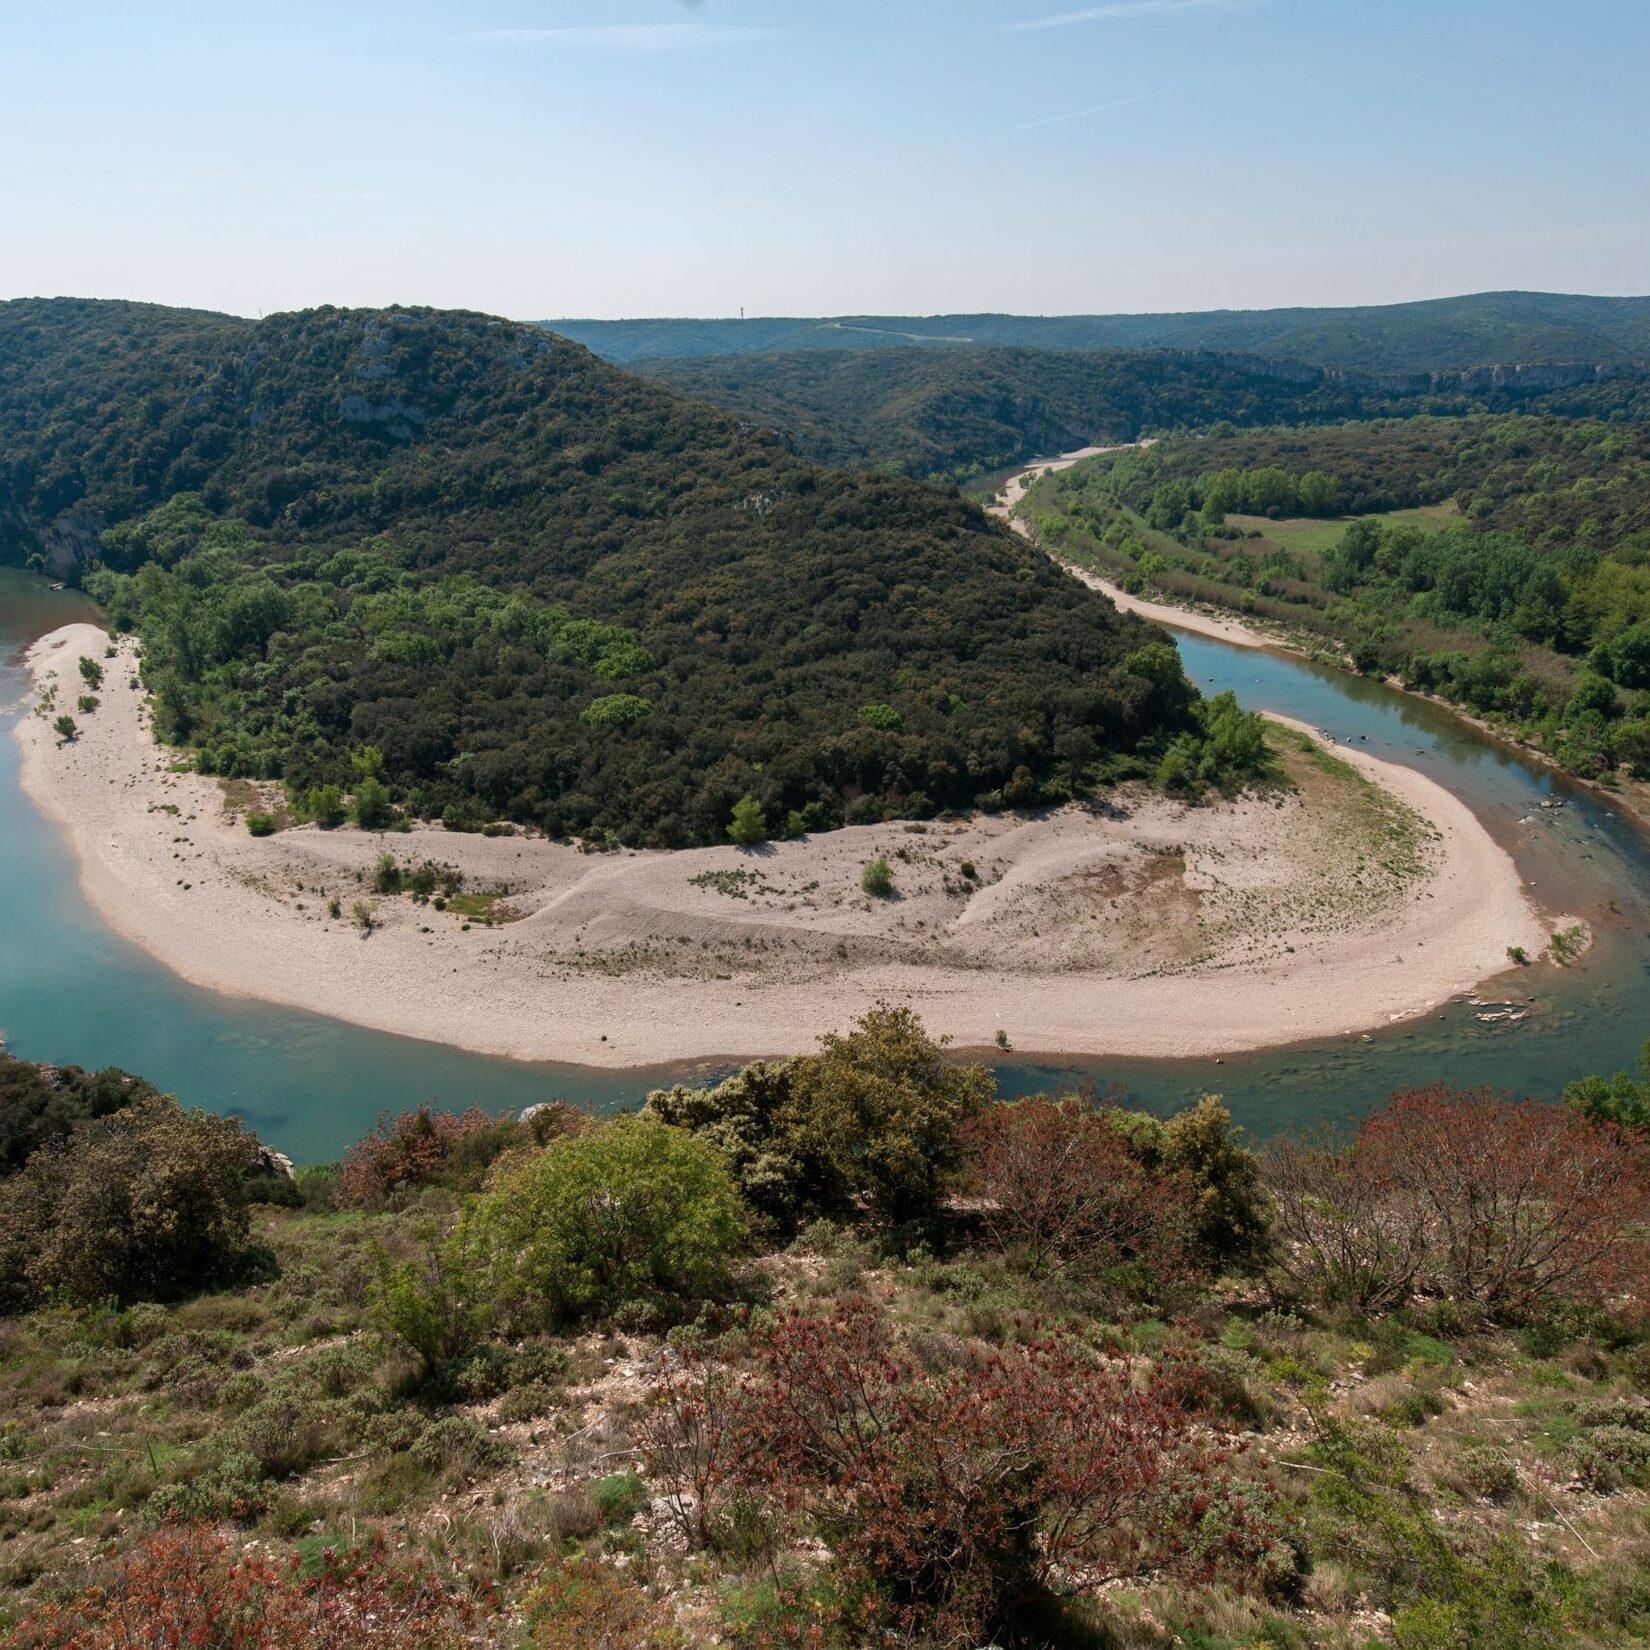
(1378, 828)
(242, 799)
(482, 907)
(1311, 535)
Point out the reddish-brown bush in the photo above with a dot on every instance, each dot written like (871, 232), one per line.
(588, 1605)
(965, 1494)
(1063, 1190)
(690, 1434)
(185, 1589)
(402, 1154)
(1336, 1240)
(1507, 1205)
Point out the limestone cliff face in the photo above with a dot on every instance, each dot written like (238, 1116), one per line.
(56, 547)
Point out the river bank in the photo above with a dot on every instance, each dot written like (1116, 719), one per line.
(1368, 895)
(1632, 795)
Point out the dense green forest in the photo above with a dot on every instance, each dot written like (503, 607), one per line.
(1436, 335)
(1523, 594)
(841, 1350)
(464, 560)
(957, 413)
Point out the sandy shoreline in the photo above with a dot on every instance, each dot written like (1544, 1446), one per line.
(1148, 930)
(1183, 618)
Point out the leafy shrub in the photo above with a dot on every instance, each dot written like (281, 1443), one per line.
(1486, 1472)
(586, 1605)
(619, 1497)
(458, 1446)
(428, 1299)
(750, 823)
(633, 1210)
(1203, 1149)
(809, 818)
(616, 710)
(749, 1119)
(530, 1402)
(803, 1608)
(324, 804)
(415, 1149)
(1612, 1449)
(877, 880)
(145, 1203)
(494, 1368)
(371, 806)
(260, 824)
(40, 1104)
(1623, 1098)
(1610, 1458)
(316, 1185)
(872, 1121)
(287, 1433)
(232, 1488)
(186, 1586)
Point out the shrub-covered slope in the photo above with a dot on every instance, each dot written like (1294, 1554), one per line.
(1437, 334)
(534, 585)
(1501, 564)
(959, 412)
(842, 1351)
(927, 412)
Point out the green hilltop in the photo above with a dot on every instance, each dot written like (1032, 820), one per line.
(1437, 334)
(467, 559)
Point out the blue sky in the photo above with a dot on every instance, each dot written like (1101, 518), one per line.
(646, 157)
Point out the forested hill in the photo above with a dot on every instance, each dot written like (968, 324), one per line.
(1440, 334)
(928, 412)
(464, 558)
(959, 412)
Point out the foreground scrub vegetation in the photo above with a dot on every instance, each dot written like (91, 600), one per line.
(841, 1351)
(1526, 600)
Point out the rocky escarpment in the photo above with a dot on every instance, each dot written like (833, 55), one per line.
(56, 546)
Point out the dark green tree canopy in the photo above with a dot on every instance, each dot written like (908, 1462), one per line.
(541, 588)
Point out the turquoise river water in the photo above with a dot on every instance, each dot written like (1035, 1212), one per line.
(72, 991)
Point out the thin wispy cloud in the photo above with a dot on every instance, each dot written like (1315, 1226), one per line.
(1054, 120)
(1119, 8)
(635, 37)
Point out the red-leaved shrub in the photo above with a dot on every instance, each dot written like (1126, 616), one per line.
(584, 1604)
(1061, 1190)
(1501, 1204)
(691, 1433)
(401, 1155)
(184, 1588)
(962, 1495)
